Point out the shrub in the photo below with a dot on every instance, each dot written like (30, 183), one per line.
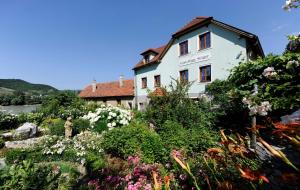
(8, 121)
(175, 105)
(100, 126)
(27, 176)
(113, 116)
(55, 126)
(227, 106)
(277, 78)
(134, 140)
(192, 140)
(63, 104)
(36, 118)
(80, 125)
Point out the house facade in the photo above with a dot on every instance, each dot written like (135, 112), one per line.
(202, 51)
(116, 93)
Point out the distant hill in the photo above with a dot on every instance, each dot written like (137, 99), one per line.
(8, 86)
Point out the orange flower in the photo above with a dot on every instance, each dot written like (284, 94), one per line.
(214, 150)
(252, 175)
(167, 182)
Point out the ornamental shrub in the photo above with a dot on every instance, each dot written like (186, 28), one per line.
(100, 126)
(176, 105)
(277, 78)
(80, 125)
(192, 140)
(135, 139)
(8, 121)
(25, 176)
(55, 126)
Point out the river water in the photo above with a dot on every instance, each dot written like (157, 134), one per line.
(19, 109)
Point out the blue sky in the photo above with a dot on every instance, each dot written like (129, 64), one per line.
(67, 43)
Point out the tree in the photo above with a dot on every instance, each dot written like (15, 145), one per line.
(293, 45)
(291, 4)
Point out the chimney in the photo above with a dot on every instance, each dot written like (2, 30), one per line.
(94, 85)
(121, 81)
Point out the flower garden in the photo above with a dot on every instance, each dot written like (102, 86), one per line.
(234, 137)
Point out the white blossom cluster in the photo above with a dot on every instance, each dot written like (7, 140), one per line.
(81, 143)
(269, 72)
(255, 109)
(292, 64)
(7, 117)
(115, 116)
(290, 4)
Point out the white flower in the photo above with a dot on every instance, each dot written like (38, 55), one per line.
(269, 72)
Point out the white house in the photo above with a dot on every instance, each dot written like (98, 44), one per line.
(203, 50)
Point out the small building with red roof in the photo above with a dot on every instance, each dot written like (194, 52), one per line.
(115, 93)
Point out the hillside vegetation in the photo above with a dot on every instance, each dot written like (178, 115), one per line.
(20, 92)
(24, 86)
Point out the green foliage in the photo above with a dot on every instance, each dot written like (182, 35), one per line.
(294, 44)
(80, 125)
(282, 90)
(177, 106)
(100, 126)
(25, 176)
(94, 162)
(55, 126)
(36, 155)
(21, 85)
(226, 106)
(191, 140)
(19, 92)
(36, 118)
(63, 105)
(135, 139)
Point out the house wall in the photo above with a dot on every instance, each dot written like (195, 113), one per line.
(125, 101)
(226, 51)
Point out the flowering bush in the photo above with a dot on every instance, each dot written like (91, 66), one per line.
(277, 80)
(114, 116)
(36, 118)
(255, 109)
(8, 121)
(82, 143)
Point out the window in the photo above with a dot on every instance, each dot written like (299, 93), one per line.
(118, 102)
(157, 81)
(184, 76)
(147, 58)
(205, 74)
(144, 82)
(184, 48)
(204, 41)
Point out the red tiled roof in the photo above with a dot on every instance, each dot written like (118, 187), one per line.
(158, 50)
(159, 91)
(109, 89)
(194, 22)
